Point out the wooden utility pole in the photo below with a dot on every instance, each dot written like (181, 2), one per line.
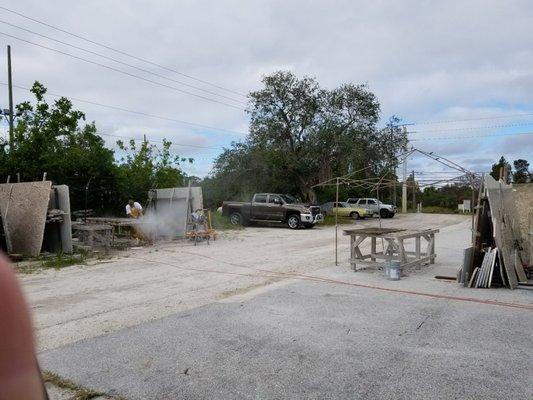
(404, 187)
(414, 190)
(10, 89)
(336, 222)
(394, 189)
(393, 167)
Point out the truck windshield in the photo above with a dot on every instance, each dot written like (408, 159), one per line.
(287, 198)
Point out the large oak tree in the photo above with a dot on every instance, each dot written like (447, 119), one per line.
(301, 134)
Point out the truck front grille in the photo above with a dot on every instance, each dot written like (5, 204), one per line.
(315, 210)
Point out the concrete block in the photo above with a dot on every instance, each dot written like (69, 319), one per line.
(65, 228)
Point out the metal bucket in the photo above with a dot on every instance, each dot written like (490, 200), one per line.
(394, 270)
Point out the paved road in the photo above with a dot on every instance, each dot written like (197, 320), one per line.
(309, 340)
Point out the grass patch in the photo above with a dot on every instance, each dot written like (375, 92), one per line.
(440, 210)
(61, 260)
(330, 220)
(80, 393)
(221, 222)
(57, 261)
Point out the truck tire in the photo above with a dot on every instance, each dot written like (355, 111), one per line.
(235, 218)
(293, 221)
(384, 213)
(355, 215)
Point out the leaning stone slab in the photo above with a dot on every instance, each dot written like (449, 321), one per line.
(23, 207)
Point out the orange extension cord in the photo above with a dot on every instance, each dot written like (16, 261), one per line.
(276, 274)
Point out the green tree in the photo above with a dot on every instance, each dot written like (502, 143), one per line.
(53, 138)
(496, 168)
(521, 174)
(448, 196)
(144, 167)
(300, 135)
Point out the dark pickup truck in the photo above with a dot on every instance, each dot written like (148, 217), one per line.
(271, 207)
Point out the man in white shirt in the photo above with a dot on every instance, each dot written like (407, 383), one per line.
(134, 209)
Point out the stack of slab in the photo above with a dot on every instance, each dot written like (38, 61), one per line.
(24, 209)
(482, 276)
(170, 209)
(498, 256)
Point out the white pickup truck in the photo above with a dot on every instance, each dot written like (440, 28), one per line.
(376, 206)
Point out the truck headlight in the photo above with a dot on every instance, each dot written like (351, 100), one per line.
(307, 210)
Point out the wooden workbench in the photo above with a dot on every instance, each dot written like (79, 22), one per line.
(117, 224)
(393, 245)
(94, 234)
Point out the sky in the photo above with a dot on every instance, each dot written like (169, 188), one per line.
(458, 70)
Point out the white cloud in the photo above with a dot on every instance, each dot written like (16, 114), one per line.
(424, 60)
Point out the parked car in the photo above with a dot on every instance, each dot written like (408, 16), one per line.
(375, 206)
(345, 210)
(273, 207)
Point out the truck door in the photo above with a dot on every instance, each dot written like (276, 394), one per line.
(373, 205)
(276, 211)
(362, 203)
(259, 207)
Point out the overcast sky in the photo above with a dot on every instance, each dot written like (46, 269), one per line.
(425, 60)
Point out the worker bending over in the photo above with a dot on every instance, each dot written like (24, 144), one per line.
(134, 209)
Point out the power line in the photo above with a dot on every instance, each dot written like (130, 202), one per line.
(472, 119)
(121, 62)
(470, 128)
(131, 111)
(120, 51)
(122, 72)
(471, 137)
(159, 141)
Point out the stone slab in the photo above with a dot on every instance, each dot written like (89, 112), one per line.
(23, 207)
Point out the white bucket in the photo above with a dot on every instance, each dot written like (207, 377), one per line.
(394, 270)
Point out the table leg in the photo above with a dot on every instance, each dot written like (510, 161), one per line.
(352, 252)
(108, 240)
(401, 248)
(432, 241)
(372, 248)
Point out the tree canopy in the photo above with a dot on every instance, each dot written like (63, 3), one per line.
(54, 138)
(521, 174)
(147, 167)
(497, 168)
(302, 134)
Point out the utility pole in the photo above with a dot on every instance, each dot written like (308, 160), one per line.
(10, 88)
(414, 191)
(404, 186)
(393, 166)
(336, 222)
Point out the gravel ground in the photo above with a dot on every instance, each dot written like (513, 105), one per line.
(229, 312)
(149, 283)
